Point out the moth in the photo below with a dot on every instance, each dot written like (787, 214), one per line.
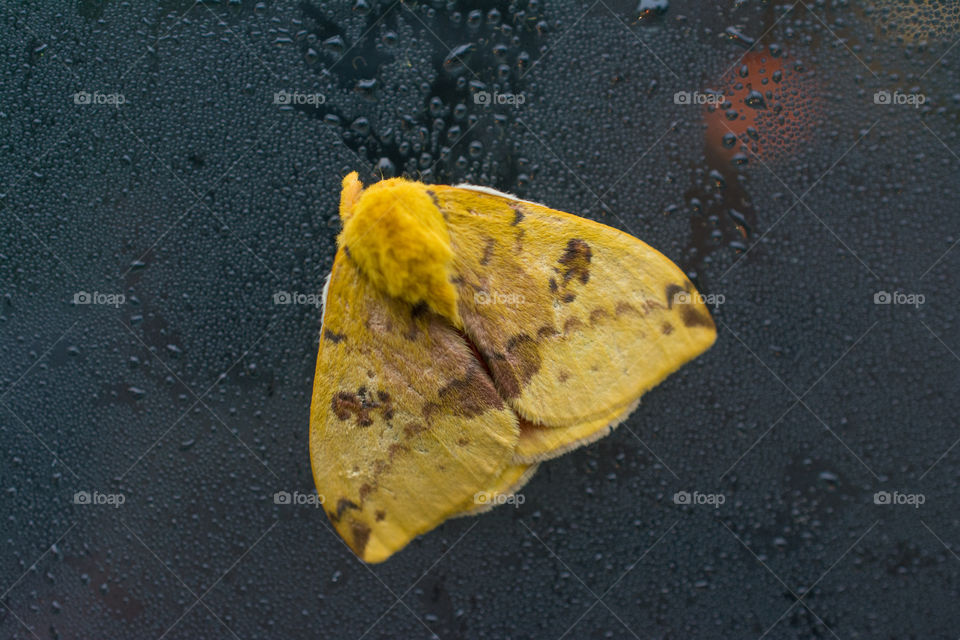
(468, 336)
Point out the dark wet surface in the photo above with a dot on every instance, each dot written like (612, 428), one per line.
(178, 397)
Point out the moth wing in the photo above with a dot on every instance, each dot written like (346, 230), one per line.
(538, 443)
(513, 478)
(405, 424)
(575, 319)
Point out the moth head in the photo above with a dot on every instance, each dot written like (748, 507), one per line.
(396, 235)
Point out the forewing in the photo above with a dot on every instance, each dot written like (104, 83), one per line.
(576, 320)
(406, 426)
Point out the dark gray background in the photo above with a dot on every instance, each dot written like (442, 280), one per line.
(199, 198)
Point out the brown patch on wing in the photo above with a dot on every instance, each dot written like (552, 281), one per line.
(463, 442)
(649, 305)
(345, 404)
(466, 397)
(380, 515)
(546, 331)
(625, 307)
(517, 215)
(693, 318)
(666, 329)
(365, 490)
(342, 505)
(334, 337)
(361, 535)
(564, 376)
(413, 328)
(576, 260)
(414, 429)
(518, 242)
(571, 324)
(395, 449)
(671, 291)
(359, 405)
(488, 251)
(598, 314)
(514, 369)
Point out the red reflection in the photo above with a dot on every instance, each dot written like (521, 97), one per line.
(769, 106)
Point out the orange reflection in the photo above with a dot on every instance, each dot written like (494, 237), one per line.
(769, 107)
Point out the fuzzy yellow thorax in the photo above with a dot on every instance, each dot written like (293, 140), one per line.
(396, 235)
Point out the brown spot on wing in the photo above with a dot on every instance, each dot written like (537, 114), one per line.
(342, 505)
(345, 404)
(380, 515)
(546, 331)
(671, 291)
(576, 260)
(395, 449)
(361, 535)
(514, 369)
(666, 329)
(517, 215)
(334, 337)
(598, 314)
(463, 442)
(365, 490)
(564, 376)
(466, 397)
(693, 318)
(572, 324)
(359, 405)
(625, 307)
(488, 251)
(414, 429)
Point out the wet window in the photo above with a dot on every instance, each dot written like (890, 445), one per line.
(170, 191)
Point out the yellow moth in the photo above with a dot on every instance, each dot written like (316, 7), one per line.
(466, 337)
